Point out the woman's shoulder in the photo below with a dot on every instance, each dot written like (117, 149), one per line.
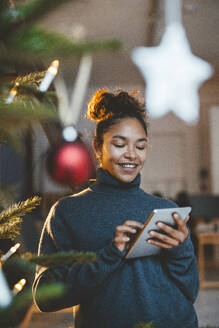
(159, 202)
(67, 205)
(74, 198)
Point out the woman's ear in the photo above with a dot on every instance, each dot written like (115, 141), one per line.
(97, 149)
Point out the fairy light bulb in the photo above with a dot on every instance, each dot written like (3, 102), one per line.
(11, 251)
(49, 76)
(12, 94)
(19, 286)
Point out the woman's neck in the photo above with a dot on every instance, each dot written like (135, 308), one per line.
(106, 182)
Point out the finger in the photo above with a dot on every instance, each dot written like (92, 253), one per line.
(167, 229)
(180, 223)
(164, 238)
(125, 229)
(158, 243)
(121, 239)
(187, 219)
(134, 224)
(173, 233)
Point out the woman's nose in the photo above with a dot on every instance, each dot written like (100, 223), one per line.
(130, 153)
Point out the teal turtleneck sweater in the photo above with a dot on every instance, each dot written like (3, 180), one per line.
(114, 292)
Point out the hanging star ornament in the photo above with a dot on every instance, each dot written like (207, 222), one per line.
(173, 75)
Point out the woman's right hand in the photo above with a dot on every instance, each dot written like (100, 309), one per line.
(122, 238)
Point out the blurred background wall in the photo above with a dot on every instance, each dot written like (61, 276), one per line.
(180, 156)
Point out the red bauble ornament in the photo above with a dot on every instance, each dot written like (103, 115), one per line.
(70, 163)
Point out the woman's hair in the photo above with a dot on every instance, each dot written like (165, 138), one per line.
(109, 108)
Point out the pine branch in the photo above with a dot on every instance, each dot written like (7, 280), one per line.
(16, 117)
(38, 42)
(12, 315)
(30, 90)
(17, 264)
(21, 112)
(10, 218)
(26, 13)
(10, 229)
(17, 210)
(27, 85)
(33, 45)
(61, 258)
(32, 78)
(44, 294)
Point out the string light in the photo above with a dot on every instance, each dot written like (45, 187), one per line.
(11, 251)
(19, 286)
(49, 76)
(12, 94)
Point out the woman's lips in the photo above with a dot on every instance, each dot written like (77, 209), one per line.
(128, 167)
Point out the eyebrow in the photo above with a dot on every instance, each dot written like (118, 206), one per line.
(124, 138)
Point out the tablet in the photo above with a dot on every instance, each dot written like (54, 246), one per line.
(139, 246)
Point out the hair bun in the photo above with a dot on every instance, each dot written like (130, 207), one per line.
(109, 108)
(100, 105)
(105, 104)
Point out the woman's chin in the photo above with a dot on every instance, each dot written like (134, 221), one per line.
(126, 178)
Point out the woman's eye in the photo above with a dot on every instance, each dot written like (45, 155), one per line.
(141, 148)
(119, 146)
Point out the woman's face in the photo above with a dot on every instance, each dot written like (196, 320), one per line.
(123, 151)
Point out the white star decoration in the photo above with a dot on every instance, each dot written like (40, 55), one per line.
(173, 75)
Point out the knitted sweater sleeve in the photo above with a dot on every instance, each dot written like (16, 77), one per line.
(82, 281)
(181, 266)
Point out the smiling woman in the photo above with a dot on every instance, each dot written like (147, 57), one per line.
(121, 135)
(115, 292)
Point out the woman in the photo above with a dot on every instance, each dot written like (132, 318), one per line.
(115, 292)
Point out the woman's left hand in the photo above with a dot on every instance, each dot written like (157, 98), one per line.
(173, 236)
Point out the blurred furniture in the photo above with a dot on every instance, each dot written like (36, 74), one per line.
(204, 206)
(206, 238)
(205, 227)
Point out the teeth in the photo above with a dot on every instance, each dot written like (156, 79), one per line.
(128, 165)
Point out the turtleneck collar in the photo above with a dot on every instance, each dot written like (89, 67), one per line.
(106, 182)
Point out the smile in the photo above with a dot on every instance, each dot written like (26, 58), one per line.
(127, 165)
